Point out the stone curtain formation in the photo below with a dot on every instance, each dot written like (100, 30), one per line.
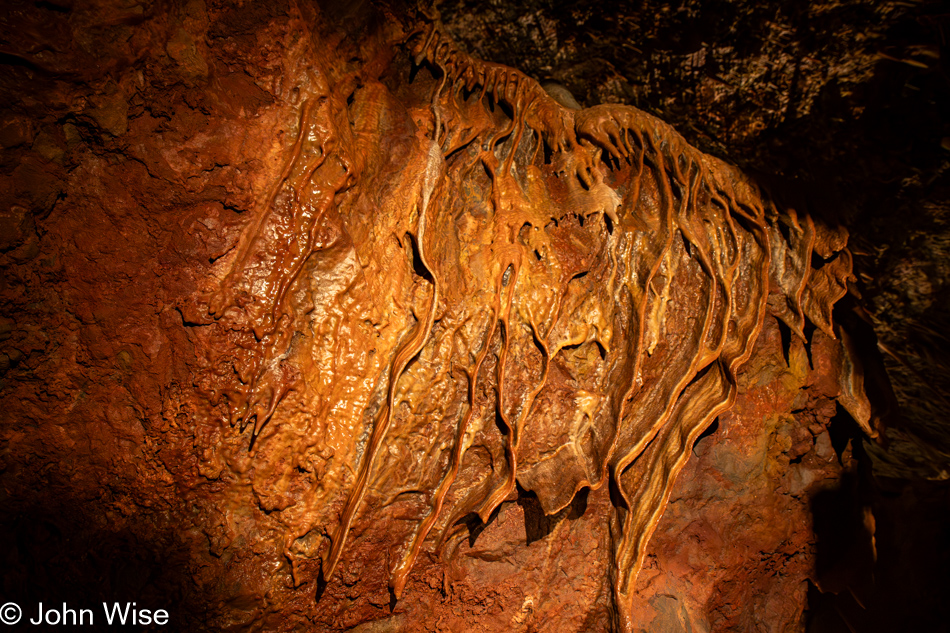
(458, 287)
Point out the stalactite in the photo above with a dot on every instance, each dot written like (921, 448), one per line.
(568, 293)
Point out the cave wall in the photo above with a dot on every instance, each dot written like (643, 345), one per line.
(847, 100)
(144, 146)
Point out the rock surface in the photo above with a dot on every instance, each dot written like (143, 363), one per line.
(160, 446)
(847, 101)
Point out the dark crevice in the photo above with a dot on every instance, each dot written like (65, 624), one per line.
(49, 6)
(686, 244)
(786, 333)
(475, 525)
(784, 230)
(537, 524)
(818, 262)
(710, 430)
(8, 59)
(842, 430)
(500, 423)
(809, 331)
(418, 267)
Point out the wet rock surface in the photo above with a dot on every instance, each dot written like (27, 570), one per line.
(171, 438)
(846, 101)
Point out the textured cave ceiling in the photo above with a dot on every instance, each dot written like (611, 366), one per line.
(369, 316)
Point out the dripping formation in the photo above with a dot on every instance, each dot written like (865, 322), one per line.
(465, 287)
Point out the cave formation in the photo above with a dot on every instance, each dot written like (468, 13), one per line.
(314, 321)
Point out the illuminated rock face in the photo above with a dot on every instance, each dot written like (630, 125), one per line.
(458, 288)
(455, 325)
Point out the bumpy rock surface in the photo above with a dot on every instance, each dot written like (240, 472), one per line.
(848, 100)
(312, 321)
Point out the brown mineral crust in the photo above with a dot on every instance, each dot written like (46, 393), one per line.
(733, 551)
(292, 329)
(116, 225)
(750, 550)
(846, 99)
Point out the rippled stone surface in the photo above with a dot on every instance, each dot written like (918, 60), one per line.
(316, 320)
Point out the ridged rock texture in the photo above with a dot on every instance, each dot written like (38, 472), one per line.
(312, 321)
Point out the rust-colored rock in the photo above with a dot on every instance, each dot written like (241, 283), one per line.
(347, 326)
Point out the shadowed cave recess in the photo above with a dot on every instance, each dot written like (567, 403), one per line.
(476, 316)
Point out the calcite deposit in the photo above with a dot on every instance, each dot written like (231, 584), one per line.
(312, 321)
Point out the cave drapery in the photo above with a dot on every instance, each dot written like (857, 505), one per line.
(458, 286)
(337, 327)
